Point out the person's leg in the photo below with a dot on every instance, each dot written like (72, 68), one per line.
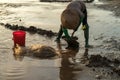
(86, 29)
(65, 31)
(86, 35)
(59, 34)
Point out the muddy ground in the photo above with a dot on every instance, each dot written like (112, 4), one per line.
(100, 61)
(112, 5)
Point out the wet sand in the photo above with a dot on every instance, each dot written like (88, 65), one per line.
(111, 5)
(104, 40)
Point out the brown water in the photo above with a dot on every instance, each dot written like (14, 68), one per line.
(104, 30)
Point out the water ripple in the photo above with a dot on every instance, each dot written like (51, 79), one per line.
(14, 72)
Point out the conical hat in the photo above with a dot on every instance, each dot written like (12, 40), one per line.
(70, 19)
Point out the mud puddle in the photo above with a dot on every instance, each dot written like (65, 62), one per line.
(104, 41)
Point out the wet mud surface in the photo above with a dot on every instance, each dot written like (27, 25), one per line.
(112, 5)
(99, 62)
(31, 30)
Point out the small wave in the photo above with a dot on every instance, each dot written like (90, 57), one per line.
(15, 72)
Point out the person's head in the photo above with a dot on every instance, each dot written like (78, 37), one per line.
(70, 19)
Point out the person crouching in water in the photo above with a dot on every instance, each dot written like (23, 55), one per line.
(71, 18)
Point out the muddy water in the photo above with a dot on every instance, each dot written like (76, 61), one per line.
(104, 36)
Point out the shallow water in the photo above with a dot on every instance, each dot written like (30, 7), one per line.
(103, 27)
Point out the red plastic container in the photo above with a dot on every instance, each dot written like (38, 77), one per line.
(19, 38)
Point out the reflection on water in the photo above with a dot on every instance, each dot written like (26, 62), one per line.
(67, 69)
(18, 58)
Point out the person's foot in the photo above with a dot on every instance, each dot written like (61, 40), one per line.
(88, 46)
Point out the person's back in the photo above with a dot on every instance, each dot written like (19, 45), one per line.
(71, 18)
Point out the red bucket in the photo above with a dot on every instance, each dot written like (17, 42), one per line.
(19, 38)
